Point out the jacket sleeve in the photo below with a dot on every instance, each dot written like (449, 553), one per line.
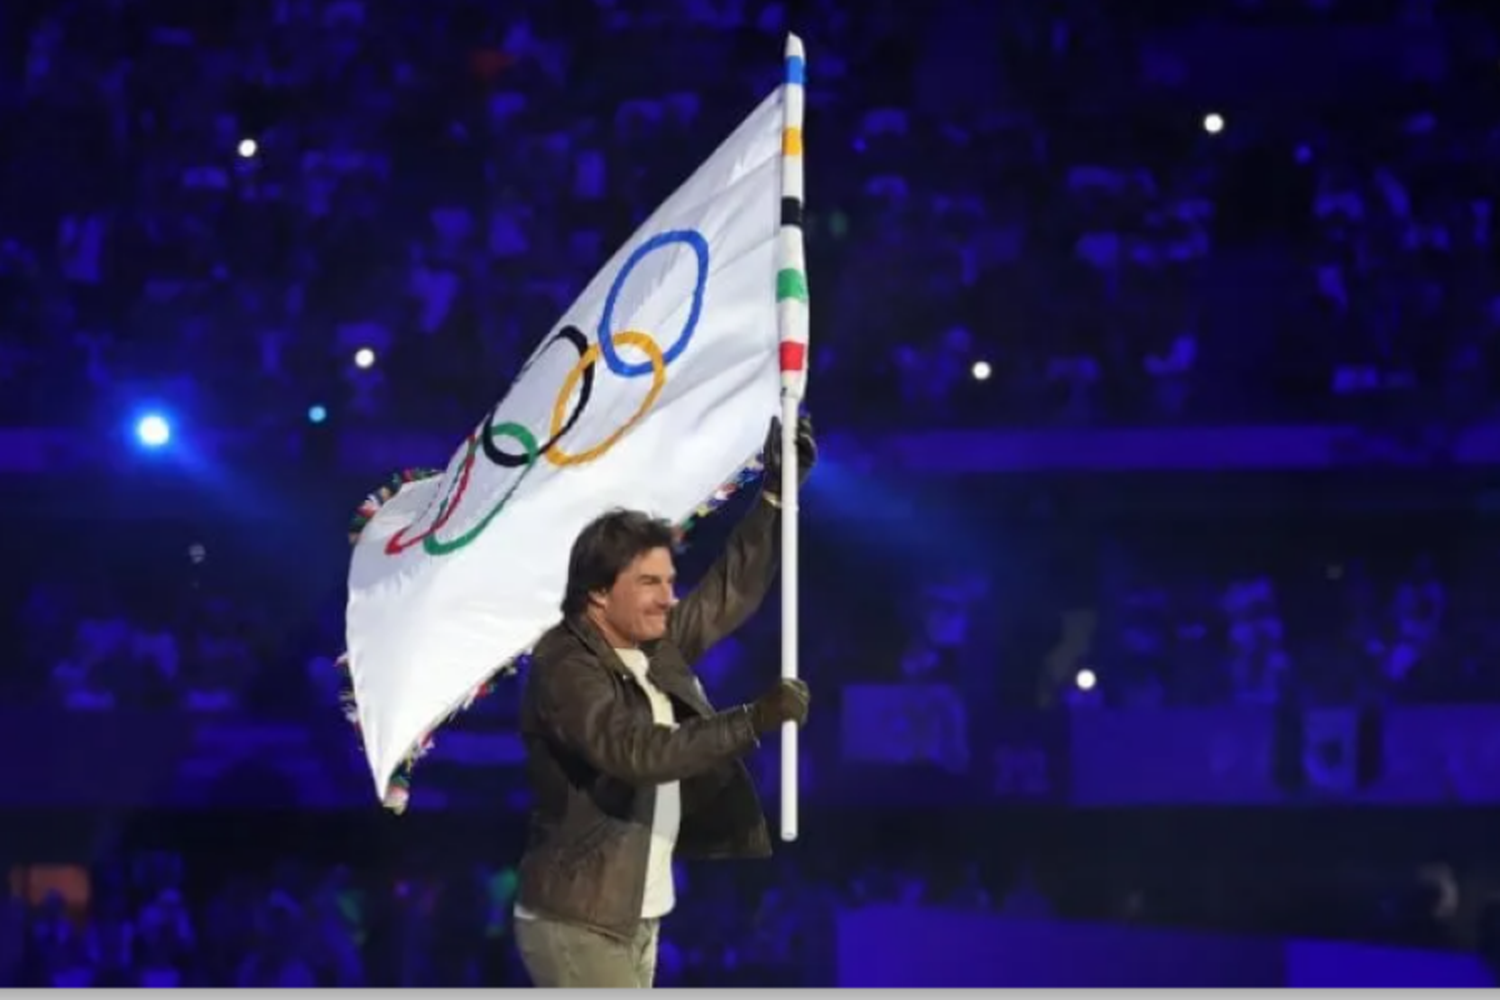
(579, 704)
(734, 586)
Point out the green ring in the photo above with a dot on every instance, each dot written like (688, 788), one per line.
(521, 436)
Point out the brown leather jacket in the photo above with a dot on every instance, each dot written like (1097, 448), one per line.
(594, 755)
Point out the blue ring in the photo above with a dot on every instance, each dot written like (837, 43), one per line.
(612, 358)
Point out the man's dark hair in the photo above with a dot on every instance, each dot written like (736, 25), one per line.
(603, 550)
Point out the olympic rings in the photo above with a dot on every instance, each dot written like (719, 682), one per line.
(656, 364)
(612, 358)
(580, 378)
(492, 451)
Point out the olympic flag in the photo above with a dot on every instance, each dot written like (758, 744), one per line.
(653, 392)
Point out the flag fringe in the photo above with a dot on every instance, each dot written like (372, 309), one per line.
(398, 790)
(381, 495)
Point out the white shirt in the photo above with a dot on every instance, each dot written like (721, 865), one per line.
(661, 894)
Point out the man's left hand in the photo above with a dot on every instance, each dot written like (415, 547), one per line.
(807, 455)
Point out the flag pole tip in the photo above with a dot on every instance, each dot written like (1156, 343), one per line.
(794, 48)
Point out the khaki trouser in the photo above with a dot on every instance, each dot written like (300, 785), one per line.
(561, 955)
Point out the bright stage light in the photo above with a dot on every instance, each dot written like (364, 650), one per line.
(153, 431)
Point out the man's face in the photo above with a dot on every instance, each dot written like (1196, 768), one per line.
(635, 609)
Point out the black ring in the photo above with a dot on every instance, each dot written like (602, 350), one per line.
(586, 388)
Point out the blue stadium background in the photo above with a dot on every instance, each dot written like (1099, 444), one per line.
(1148, 606)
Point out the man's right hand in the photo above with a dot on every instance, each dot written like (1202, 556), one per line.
(786, 702)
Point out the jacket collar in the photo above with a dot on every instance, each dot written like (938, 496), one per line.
(594, 641)
(664, 673)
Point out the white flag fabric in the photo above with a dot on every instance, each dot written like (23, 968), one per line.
(654, 389)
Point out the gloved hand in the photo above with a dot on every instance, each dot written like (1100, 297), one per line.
(787, 701)
(807, 455)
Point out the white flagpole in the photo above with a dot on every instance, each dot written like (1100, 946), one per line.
(792, 323)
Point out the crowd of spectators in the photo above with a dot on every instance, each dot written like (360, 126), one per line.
(1266, 621)
(152, 919)
(218, 204)
(1191, 612)
(169, 918)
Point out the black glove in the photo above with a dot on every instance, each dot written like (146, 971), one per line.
(807, 455)
(787, 701)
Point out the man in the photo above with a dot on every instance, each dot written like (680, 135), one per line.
(628, 760)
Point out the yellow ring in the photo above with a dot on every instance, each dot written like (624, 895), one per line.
(631, 338)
